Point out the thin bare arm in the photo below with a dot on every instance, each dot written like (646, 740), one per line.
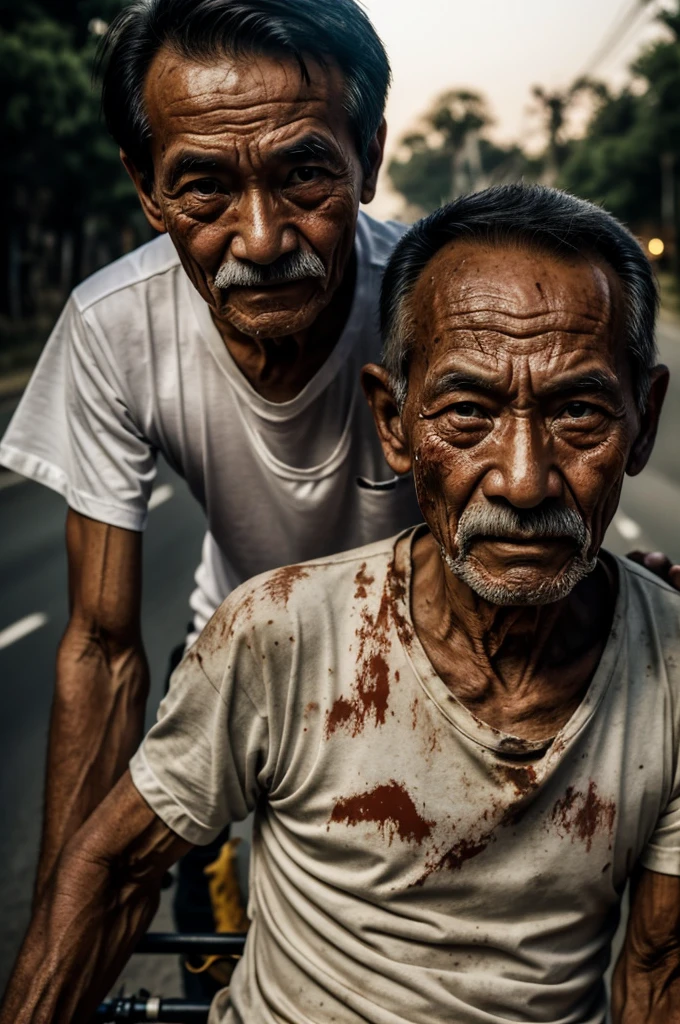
(102, 680)
(646, 985)
(102, 896)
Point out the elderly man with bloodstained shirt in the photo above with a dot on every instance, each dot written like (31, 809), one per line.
(459, 743)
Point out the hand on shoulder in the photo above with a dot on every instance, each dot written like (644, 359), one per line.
(659, 564)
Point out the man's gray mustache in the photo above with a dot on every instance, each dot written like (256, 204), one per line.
(292, 266)
(519, 524)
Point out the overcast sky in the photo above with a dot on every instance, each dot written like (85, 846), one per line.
(500, 48)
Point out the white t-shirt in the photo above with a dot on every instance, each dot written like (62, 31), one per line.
(136, 365)
(410, 863)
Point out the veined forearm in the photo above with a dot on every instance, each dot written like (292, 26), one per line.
(76, 947)
(96, 725)
(101, 899)
(646, 993)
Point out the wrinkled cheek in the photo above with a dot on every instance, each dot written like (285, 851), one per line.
(198, 254)
(601, 480)
(433, 474)
(331, 232)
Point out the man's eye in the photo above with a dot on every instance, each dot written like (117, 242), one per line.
(205, 187)
(467, 410)
(579, 410)
(302, 175)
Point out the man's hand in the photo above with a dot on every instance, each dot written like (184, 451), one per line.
(100, 900)
(646, 984)
(102, 681)
(659, 564)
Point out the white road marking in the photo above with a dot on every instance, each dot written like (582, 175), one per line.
(160, 495)
(22, 628)
(626, 526)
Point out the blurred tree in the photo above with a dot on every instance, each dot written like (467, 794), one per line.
(63, 187)
(448, 154)
(554, 108)
(629, 158)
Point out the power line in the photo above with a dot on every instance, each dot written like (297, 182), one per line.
(615, 35)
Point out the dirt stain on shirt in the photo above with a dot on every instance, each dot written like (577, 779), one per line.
(582, 815)
(280, 584)
(362, 582)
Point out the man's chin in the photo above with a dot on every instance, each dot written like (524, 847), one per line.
(271, 320)
(521, 588)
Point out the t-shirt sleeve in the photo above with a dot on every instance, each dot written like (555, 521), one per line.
(75, 431)
(662, 853)
(206, 761)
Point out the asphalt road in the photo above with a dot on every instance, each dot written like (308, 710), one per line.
(33, 602)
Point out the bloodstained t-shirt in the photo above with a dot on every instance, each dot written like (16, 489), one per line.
(410, 863)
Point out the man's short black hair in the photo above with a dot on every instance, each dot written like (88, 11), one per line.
(540, 218)
(206, 29)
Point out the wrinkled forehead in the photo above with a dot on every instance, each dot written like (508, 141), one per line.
(245, 90)
(519, 297)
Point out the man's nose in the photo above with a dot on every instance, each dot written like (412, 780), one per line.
(524, 473)
(261, 234)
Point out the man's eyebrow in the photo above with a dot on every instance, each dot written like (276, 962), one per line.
(310, 147)
(190, 163)
(458, 380)
(595, 381)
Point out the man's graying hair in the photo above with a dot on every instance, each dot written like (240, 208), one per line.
(207, 30)
(539, 218)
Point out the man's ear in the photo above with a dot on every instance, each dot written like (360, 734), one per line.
(152, 210)
(375, 382)
(376, 151)
(649, 422)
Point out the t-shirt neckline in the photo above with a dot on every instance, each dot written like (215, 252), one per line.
(281, 411)
(455, 711)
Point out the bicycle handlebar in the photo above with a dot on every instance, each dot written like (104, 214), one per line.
(226, 944)
(142, 1007)
(135, 1009)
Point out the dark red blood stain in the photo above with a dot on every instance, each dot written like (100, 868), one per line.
(498, 815)
(370, 692)
(312, 706)
(391, 807)
(457, 855)
(362, 581)
(581, 815)
(280, 584)
(414, 712)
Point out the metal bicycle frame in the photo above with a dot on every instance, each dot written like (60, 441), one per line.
(145, 1007)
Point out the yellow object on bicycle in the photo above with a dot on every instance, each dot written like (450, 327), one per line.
(227, 907)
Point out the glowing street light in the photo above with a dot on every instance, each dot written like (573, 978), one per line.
(98, 26)
(655, 247)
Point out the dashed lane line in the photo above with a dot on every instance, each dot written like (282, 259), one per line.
(626, 526)
(160, 495)
(18, 630)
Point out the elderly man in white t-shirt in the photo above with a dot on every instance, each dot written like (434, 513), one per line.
(232, 344)
(460, 743)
